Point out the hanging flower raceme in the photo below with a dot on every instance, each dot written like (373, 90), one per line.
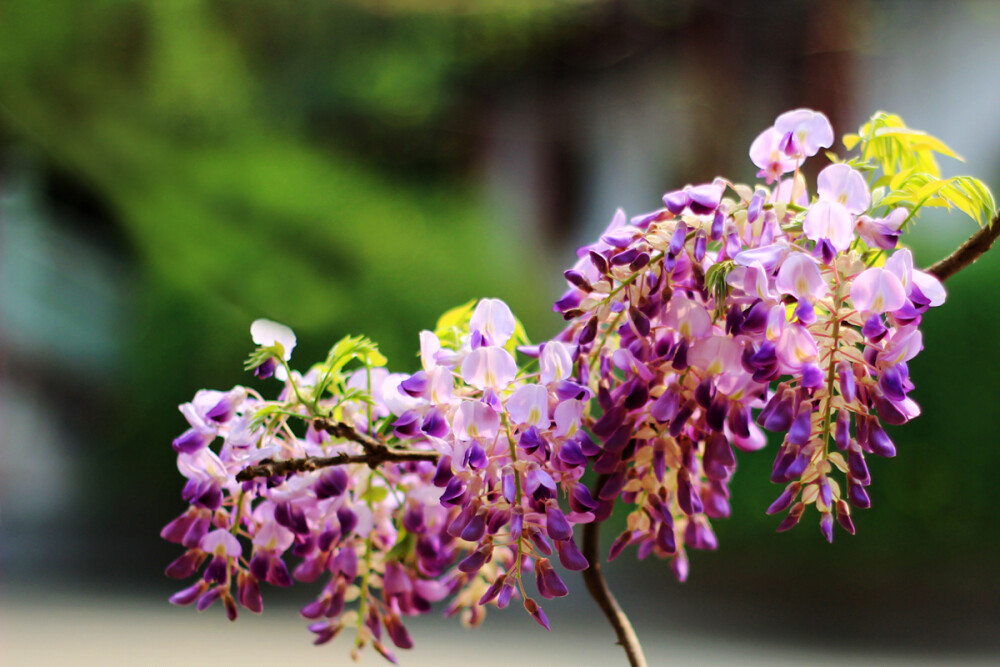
(691, 330)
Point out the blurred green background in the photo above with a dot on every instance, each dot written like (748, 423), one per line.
(171, 170)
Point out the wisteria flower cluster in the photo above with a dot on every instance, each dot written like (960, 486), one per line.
(691, 330)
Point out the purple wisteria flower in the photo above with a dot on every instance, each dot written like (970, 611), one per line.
(690, 331)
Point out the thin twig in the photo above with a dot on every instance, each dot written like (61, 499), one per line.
(268, 468)
(376, 453)
(599, 590)
(968, 252)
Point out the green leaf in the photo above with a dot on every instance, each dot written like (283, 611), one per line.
(454, 324)
(375, 494)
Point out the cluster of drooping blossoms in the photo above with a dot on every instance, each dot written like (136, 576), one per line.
(739, 306)
(393, 491)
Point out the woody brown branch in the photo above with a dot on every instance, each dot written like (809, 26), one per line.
(376, 454)
(598, 589)
(967, 253)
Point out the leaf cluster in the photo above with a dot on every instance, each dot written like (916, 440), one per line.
(910, 175)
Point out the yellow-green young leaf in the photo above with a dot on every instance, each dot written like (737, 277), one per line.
(454, 323)
(375, 494)
(520, 337)
(928, 190)
(897, 180)
(920, 141)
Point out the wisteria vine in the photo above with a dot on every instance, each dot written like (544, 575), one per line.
(690, 331)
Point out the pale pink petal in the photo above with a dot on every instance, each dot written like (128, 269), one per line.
(811, 129)
(929, 286)
(475, 420)
(844, 185)
(831, 221)
(529, 405)
(489, 367)
(567, 418)
(796, 347)
(430, 345)
(799, 276)
(494, 319)
(715, 355)
(556, 362)
(901, 266)
(877, 290)
(267, 333)
(766, 153)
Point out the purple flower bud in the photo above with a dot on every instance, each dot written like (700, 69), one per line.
(609, 422)
(476, 528)
(680, 419)
(558, 527)
(857, 467)
(178, 528)
(461, 520)
(666, 540)
(434, 424)
(659, 464)
(619, 545)
(879, 441)
(679, 565)
(676, 201)
(800, 431)
(291, 517)
(494, 590)
(316, 608)
(687, 497)
(496, 519)
(873, 329)
(475, 561)
(580, 499)
(718, 224)
(612, 486)
(793, 517)
(453, 492)
(209, 598)
(678, 239)
(396, 580)
(570, 556)
(756, 206)
(348, 520)
(413, 520)
(786, 498)
(826, 526)
(540, 542)
(844, 517)
(248, 590)
(715, 417)
(505, 595)
(842, 434)
(576, 279)
(186, 565)
(857, 494)
(443, 474)
(397, 632)
(536, 612)
(189, 594)
(700, 245)
(331, 483)
(191, 441)
(639, 262)
(625, 257)
(891, 383)
(777, 414)
(549, 584)
(665, 407)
